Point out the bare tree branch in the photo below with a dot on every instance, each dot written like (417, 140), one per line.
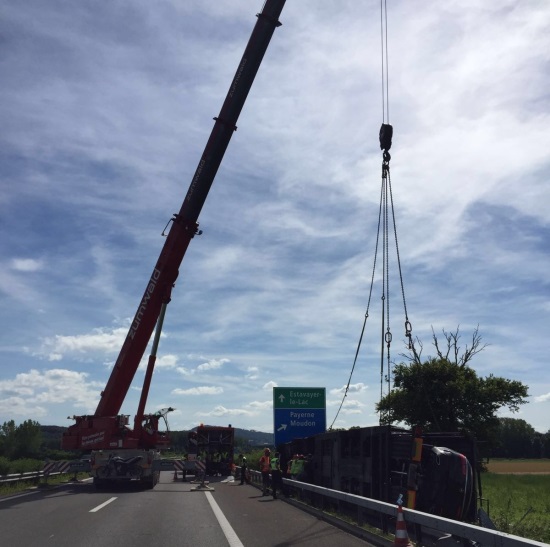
(475, 348)
(436, 345)
(414, 356)
(453, 348)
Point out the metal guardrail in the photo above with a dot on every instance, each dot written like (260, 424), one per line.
(431, 523)
(31, 475)
(49, 469)
(80, 466)
(16, 477)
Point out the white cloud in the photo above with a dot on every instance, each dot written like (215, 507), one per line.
(261, 405)
(42, 388)
(220, 411)
(277, 285)
(199, 390)
(353, 388)
(100, 340)
(252, 373)
(168, 361)
(212, 364)
(27, 264)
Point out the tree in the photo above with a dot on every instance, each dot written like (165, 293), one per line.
(22, 441)
(516, 439)
(7, 439)
(546, 445)
(28, 437)
(445, 394)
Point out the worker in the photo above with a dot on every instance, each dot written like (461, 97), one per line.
(276, 479)
(289, 466)
(265, 468)
(244, 470)
(298, 468)
(295, 467)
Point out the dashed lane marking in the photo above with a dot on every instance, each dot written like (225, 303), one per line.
(96, 509)
(228, 531)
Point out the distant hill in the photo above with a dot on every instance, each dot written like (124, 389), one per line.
(254, 438)
(52, 434)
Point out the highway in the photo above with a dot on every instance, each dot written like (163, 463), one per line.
(76, 515)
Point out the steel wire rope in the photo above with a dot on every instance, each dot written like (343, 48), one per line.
(408, 326)
(383, 199)
(386, 202)
(385, 61)
(366, 312)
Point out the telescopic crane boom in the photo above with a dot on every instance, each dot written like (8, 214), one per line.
(105, 428)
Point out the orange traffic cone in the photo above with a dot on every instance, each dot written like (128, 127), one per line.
(401, 535)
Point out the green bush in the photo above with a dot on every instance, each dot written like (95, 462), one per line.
(26, 465)
(4, 466)
(58, 455)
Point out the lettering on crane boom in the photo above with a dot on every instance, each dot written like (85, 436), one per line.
(144, 302)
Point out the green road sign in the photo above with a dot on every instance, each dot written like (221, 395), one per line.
(299, 397)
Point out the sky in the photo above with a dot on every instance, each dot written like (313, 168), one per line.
(105, 109)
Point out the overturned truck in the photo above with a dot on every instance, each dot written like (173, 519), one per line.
(432, 472)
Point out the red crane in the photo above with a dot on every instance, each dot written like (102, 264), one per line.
(106, 429)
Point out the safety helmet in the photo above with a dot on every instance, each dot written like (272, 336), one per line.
(267, 451)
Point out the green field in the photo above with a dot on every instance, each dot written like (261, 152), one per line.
(519, 504)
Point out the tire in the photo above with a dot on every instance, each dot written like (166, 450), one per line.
(103, 472)
(135, 472)
(148, 483)
(99, 484)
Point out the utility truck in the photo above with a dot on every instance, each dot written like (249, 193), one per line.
(214, 446)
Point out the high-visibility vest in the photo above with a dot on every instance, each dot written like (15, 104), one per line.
(274, 464)
(264, 463)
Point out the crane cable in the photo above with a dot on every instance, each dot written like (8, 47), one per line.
(386, 200)
(384, 62)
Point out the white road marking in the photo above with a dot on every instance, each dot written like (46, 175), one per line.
(9, 498)
(229, 533)
(95, 509)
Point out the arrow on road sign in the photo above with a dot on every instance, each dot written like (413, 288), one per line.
(282, 428)
(281, 397)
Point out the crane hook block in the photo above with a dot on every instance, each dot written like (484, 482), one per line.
(386, 134)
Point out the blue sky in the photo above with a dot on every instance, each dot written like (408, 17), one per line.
(105, 109)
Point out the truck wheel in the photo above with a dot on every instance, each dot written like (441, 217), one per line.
(148, 482)
(135, 471)
(103, 472)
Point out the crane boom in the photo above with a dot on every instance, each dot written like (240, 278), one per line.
(185, 225)
(183, 229)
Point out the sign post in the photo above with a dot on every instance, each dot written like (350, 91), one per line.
(298, 412)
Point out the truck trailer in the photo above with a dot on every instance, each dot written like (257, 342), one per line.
(431, 472)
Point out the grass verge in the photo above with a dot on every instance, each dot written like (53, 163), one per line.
(519, 504)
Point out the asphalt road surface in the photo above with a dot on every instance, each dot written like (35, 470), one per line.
(76, 515)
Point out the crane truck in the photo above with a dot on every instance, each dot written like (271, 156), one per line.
(119, 452)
